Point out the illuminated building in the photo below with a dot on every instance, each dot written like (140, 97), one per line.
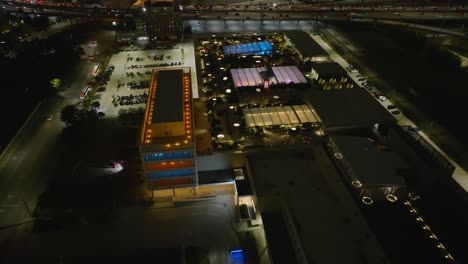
(167, 147)
(163, 20)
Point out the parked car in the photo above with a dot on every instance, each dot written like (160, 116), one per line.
(395, 112)
(50, 117)
(391, 107)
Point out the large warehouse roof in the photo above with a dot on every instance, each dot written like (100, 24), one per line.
(260, 48)
(305, 44)
(329, 69)
(253, 76)
(168, 101)
(278, 115)
(348, 108)
(370, 165)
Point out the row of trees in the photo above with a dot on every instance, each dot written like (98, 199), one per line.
(72, 115)
(33, 73)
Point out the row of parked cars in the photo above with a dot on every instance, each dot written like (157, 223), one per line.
(132, 99)
(152, 65)
(368, 85)
(138, 85)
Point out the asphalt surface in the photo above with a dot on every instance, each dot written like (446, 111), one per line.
(25, 167)
(28, 162)
(205, 224)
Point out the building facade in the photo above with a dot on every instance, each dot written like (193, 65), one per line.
(163, 21)
(167, 147)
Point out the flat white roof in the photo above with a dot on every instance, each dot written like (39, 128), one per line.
(278, 115)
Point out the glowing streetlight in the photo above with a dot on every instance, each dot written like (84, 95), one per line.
(391, 198)
(367, 200)
(356, 183)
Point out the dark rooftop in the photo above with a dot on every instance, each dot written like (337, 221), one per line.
(329, 68)
(243, 183)
(215, 176)
(305, 44)
(281, 248)
(348, 108)
(370, 165)
(168, 102)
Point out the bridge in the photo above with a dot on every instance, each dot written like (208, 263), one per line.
(257, 12)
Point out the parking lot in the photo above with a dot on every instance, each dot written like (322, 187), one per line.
(129, 82)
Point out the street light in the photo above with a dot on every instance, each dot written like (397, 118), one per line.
(114, 23)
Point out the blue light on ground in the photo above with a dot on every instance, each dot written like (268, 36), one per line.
(237, 256)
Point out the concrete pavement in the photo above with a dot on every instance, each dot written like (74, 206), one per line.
(203, 224)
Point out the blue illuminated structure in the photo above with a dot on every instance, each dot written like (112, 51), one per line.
(257, 48)
(237, 256)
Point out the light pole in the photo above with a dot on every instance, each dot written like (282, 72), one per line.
(114, 24)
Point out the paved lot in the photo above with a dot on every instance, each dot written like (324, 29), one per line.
(136, 66)
(134, 228)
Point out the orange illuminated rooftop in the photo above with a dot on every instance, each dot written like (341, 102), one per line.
(168, 117)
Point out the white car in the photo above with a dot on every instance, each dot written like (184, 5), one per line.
(382, 98)
(50, 117)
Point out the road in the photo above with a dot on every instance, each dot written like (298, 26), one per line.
(26, 164)
(293, 12)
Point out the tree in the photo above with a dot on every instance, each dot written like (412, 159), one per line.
(55, 83)
(70, 115)
(96, 104)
